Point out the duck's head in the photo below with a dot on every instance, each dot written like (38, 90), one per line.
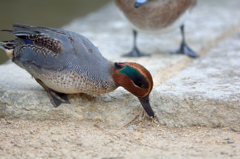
(137, 80)
(138, 3)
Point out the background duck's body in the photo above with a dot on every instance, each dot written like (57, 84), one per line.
(155, 16)
(64, 62)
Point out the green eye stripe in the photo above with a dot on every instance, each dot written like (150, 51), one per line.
(137, 77)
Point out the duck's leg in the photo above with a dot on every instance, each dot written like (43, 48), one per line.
(184, 49)
(135, 52)
(56, 98)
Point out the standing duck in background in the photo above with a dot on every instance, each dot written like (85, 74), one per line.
(157, 16)
(64, 62)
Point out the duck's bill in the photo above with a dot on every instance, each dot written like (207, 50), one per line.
(146, 105)
(139, 3)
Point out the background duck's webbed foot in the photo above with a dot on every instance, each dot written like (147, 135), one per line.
(56, 98)
(135, 53)
(184, 49)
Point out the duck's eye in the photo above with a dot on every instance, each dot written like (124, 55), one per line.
(136, 76)
(146, 85)
(141, 82)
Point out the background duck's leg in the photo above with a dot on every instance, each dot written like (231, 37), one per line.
(135, 52)
(56, 98)
(184, 49)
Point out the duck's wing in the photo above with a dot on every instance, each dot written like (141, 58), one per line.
(41, 49)
(48, 38)
(50, 47)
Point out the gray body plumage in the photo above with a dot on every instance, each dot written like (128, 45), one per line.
(64, 61)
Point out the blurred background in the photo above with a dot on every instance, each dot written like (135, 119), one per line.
(49, 13)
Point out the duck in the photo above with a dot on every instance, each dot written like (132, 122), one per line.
(156, 17)
(64, 62)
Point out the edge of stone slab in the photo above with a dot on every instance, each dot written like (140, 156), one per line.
(118, 107)
(196, 110)
(112, 109)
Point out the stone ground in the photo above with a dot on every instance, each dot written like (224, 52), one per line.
(196, 100)
(57, 139)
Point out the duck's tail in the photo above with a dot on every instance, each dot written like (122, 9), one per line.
(2, 45)
(8, 47)
(7, 44)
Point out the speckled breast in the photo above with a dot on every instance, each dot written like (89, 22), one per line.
(71, 82)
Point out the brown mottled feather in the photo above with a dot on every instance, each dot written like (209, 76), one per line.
(46, 41)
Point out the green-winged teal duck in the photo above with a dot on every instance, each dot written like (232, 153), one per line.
(157, 16)
(64, 62)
